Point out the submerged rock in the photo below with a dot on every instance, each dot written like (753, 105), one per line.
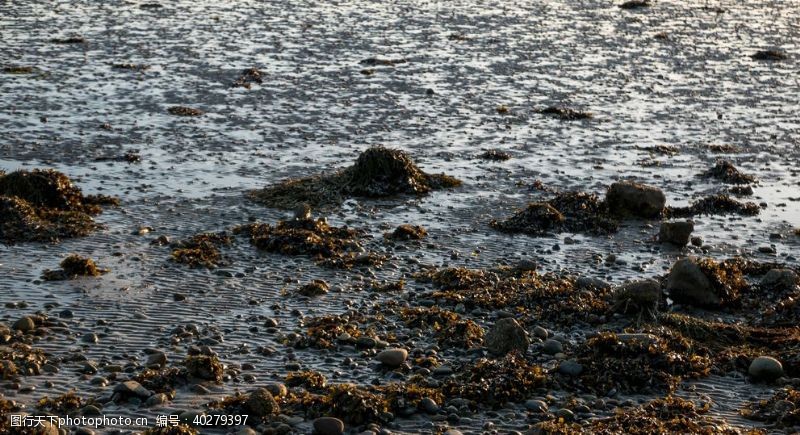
(506, 335)
(378, 172)
(676, 233)
(635, 199)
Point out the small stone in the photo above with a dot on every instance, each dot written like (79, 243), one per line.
(566, 414)
(132, 388)
(277, 389)
(24, 324)
(779, 279)
(366, 342)
(90, 338)
(156, 400)
(328, 426)
(536, 405)
(570, 368)
(157, 359)
(676, 233)
(429, 405)
(506, 335)
(392, 357)
(552, 347)
(540, 332)
(766, 368)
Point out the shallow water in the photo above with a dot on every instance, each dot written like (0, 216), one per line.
(315, 112)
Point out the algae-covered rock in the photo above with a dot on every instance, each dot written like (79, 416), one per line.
(506, 335)
(704, 282)
(569, 211)
(72, 267)
(378, 172)
(635, 199)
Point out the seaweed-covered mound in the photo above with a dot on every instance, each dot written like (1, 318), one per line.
(337, 247)
(19, 359)
(496, 382)
(725, 171)
(65, 404)
(407, 232)
(378, 172)
(201, 250)
(44, 205)
(571, 211)
(72, 267)
(780, 410)
(705, 282)
(662, 416)
(636, 363)
(714, 204)
(565, 113)
(316, 287)
(322, 332)
(448, 327)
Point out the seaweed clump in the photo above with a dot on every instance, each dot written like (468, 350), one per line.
(248, 77)
(571, 211)
(72, 267)
(181, 429)
(495, 155)
(310, 380)
(207, 367)
(201, 250)
(18, 70)
(667, 415)
(781, 410)
(565, 113)
(378, 172)
(323, 331)
(7, 407)
(316, 287)
(726, 172)
(331, 246)
(64, 404)
(407, 232)
(44, 205)
(495, 382)
(19, 359)
(636, 4)
(184, 111)
(448, 327)
(714, 204)
(638, 363)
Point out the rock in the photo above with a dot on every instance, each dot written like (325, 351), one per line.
(780, 279)
(452, 432)
(90, 338)
(328, 426)
(552, 347)
(505, 336)
(536, 405)
(639, 295)
(634, 199)
(156, 359)
(429, 405)
(366, 342)
(24, 324)
(156, 400)
(589, 283)
(392, 357)
(540, 332)
(132, 388)
(570, 368)
(688, 284)
(277, 389)
(765, 368)
(261, 404)
(677, 233)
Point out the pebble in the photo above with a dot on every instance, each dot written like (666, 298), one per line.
(392, 357)
(24, 324)
(540, 332)
(536, 405)
(429, 405)
(328, 426)
(132, 388)
(570, 367)
(552, 347)
(766, 368)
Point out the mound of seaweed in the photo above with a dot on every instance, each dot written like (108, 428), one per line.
(639, 363)
(337, 247)
(725, 171)
(201, 250)
(448, 328)
(577, 212)
(322, 332)
(72, 267)
(378, 172)
(661, 416)
(521, 290)
(713, 204)
(781, 410)
(495, 382)
(44, 205)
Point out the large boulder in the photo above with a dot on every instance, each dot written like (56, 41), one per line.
(688, 284)
(634, 199)
(505, 336)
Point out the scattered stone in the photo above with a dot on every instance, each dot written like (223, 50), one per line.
(132, 388)
(328, 426)
(765, 368)
(394, 357)
(570, 368)
(25, 324)
(634, 199)
(506, 335)
(552, 347)
(676, 233)
(780, 279)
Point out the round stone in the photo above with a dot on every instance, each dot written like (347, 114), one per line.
(766, 368)
(328, 426)
(392, 357)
